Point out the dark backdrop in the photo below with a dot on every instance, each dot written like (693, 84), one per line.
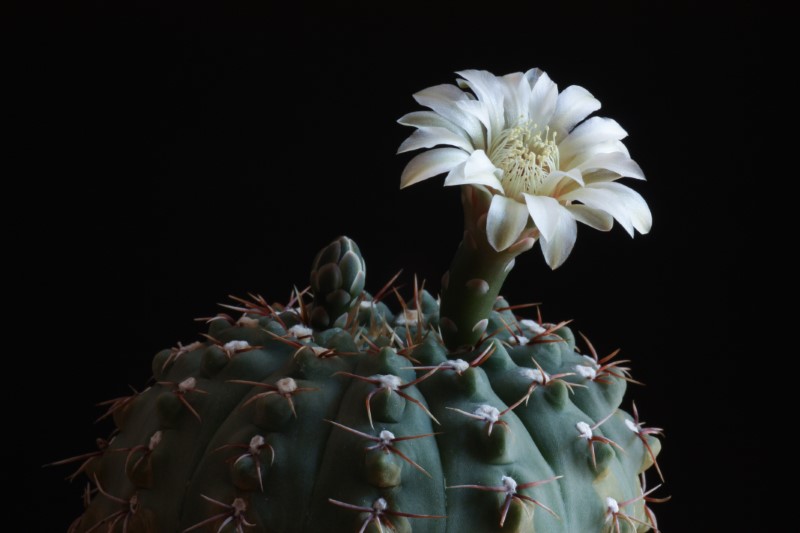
(170, 158)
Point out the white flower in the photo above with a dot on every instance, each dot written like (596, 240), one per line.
(519, 139)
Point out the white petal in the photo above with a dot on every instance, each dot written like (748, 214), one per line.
(557, 249)
(444, 92)
(517, 97)
(487, 88)
(621, 202)
(532, 76)
(544, 97)
(430, 136)
(641, 217)
(552, 183)
(444, 100)
(599, 220)
(429, 118)
(597, 176)
(476, 170)
(608, 147)
(574, 104)
(430, 163)
(480, 111)
(615, 162)
(505, 222)
(545, 212)
(594, 131)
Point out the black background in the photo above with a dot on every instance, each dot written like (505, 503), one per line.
(170, 157)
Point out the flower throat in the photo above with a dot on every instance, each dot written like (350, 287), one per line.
(527, 155)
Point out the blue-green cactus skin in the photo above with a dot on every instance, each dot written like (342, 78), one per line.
(260, 427)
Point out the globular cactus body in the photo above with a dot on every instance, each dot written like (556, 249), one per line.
(337, 415)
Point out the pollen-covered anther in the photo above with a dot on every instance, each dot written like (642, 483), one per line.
(527, 154)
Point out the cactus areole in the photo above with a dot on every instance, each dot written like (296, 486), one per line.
(348, 411)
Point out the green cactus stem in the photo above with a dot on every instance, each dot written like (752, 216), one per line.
(476, 275)
(272, 424)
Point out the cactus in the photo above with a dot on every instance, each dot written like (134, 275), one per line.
(337, 412)
(290, 428)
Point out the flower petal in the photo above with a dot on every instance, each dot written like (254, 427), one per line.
(552, 184)
(545, 212)
(596, 218)
(487, 88)
(480, 111)
(623, 203)
(429, 118)
(532, 76)
(505, 221)
(574, 104)
(544, 96)
(594, 131)
(444, 100)
(476, 170)
(517, 97)
(557, 249)
(429, 164)
(430, 136)
(615, 162)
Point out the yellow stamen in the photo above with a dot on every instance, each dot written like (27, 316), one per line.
(527, 155)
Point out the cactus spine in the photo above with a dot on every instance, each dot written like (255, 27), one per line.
(276, 424)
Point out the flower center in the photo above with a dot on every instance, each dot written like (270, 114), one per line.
(527, 154)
